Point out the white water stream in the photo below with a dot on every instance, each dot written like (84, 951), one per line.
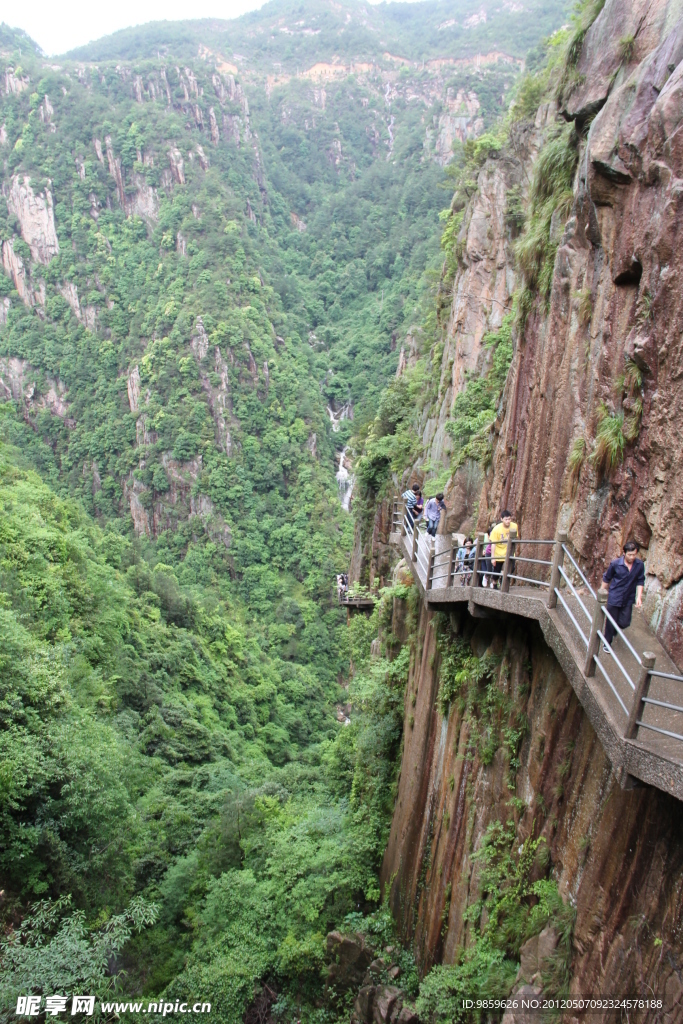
(344, 478)
(344, 482)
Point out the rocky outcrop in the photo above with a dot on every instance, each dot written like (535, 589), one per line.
(623, 35)
(621, 248)
(13, 265)
(617, 856)
(177, 165)
(485, 282)
(86, 315)
(34, 391)
(459, 121)
(36, 218)
(133, 387)
(155, 510)
(139, 199)
(355, 965)
(15, 83)
(218, 394)
(615, 298)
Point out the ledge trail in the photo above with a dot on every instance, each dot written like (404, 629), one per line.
(631, 694)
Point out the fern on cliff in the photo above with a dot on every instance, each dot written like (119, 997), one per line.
(475, 407)
(550, 199)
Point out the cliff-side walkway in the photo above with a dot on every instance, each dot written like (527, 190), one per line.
(632, 694)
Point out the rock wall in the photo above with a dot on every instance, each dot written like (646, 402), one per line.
(615, 296)
(621, 247)
(617, 856)
(36, 218)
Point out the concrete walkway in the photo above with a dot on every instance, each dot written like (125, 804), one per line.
(651, 758)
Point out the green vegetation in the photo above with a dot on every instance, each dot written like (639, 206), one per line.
(550, 198)
(510, 909)
(475, 407)
(608, 448)
(206, 773)
(577, 456)
(627, 45)
(181, 809)
(474, 686)
(318, 31)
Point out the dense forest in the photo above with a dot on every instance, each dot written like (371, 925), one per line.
(210, 269)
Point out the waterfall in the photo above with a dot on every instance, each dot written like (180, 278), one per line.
(344, 482)
(345, 413)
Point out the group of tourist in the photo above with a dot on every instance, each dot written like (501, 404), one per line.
(624, 578)
(416, 508)
(495, 540)
(493, 554)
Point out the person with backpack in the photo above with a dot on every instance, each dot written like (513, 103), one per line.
(410, 501)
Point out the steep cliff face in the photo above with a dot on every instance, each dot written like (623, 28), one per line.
(615, 304)
(617, 856)
(621, 247)
(603, 348)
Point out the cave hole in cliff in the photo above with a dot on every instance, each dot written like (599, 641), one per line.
(631, 274)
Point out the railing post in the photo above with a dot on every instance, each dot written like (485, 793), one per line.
(450, 579)
(505, 583)
(477, 559)
(402, 519)
(642, 690)
(430, 568)
(594, 642)
(558, 561)
(416, 537)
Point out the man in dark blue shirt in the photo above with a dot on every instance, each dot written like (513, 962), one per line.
(625, 577)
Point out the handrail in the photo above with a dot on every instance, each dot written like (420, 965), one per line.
(433, 568)
(527, 579)
(569, 613)
(575, 593)
(569, 554)
(611, 684)
(664, 732)
(623, 670)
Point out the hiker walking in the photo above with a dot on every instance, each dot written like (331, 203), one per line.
(433, 509)
(625, 578)
(499, 543)
(410, 500)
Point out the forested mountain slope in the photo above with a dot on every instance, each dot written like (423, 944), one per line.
(209, 262)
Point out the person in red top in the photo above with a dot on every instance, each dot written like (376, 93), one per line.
(625, 578)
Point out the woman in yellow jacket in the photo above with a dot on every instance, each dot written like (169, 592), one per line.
(499, 543)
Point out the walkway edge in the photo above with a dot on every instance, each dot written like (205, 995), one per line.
(630, 760)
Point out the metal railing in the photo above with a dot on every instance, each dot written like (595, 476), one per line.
(562, 580)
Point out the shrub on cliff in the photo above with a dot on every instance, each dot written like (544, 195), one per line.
(509, 909)
(550, 198)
